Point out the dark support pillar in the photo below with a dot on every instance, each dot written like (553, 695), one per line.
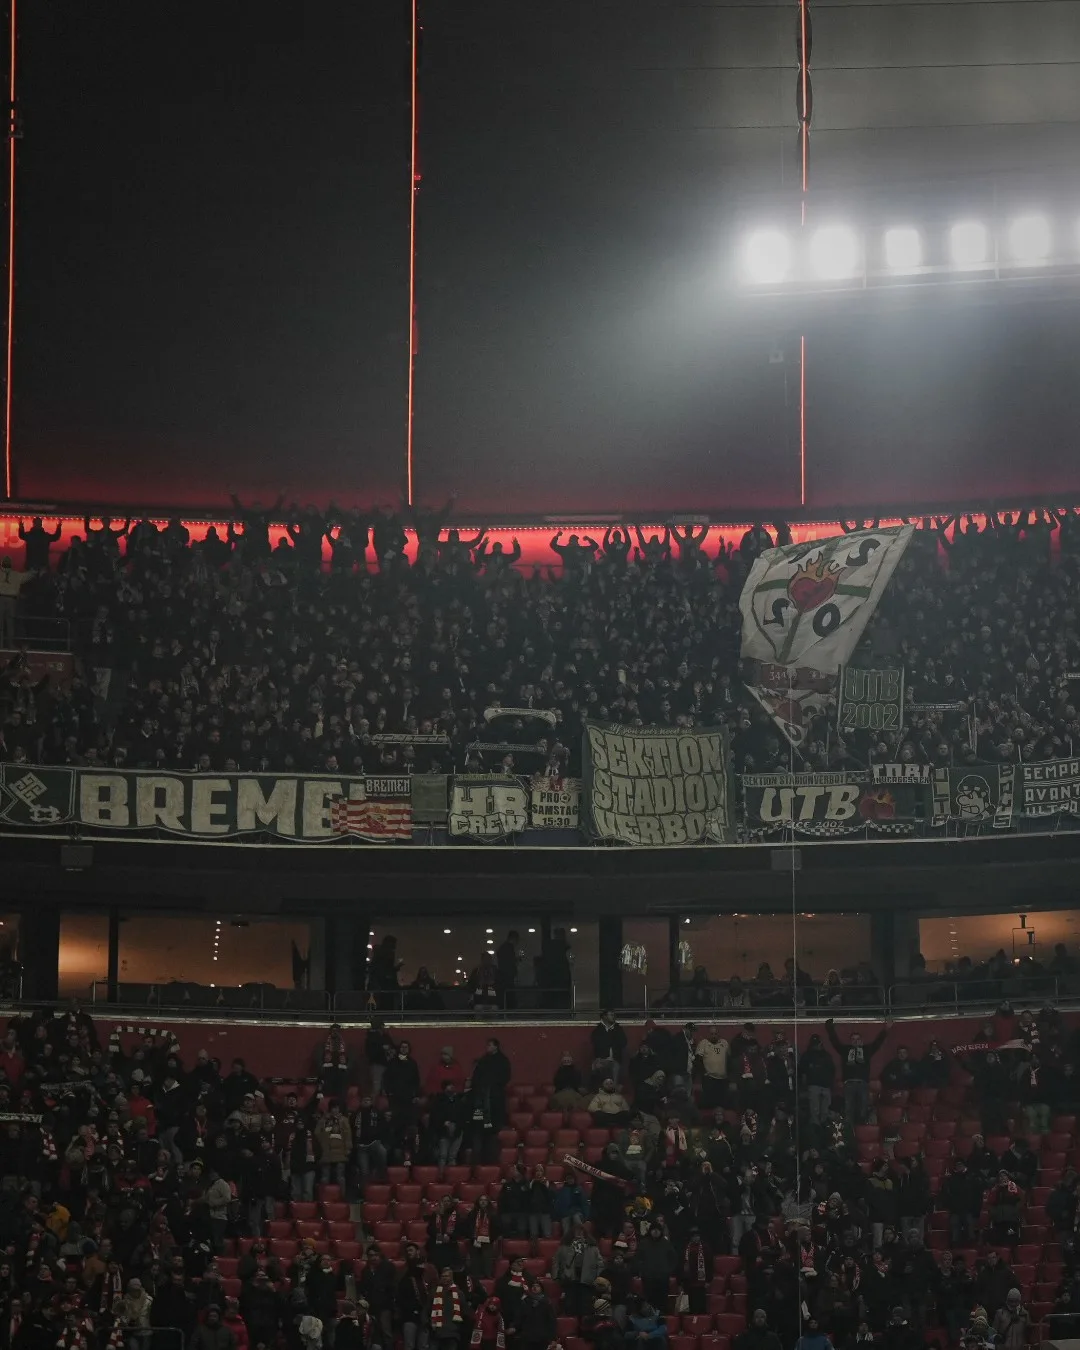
(113, 972)
(884, 956)
(610, 975)
(347, 937)
(39, 951)
(674, 968)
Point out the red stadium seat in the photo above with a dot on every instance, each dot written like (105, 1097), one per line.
(697, 1324)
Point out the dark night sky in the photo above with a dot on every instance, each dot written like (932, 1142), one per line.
(212, 252)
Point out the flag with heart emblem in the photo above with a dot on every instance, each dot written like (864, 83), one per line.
(804, 609)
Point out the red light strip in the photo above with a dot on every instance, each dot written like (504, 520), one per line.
(10, 265)
(414, 187)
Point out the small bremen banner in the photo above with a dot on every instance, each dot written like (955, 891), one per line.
(1052, 789)
(870, 700)
(554, 803)
(656, 785)
(200, 806)
(829, 803)
(975, 794)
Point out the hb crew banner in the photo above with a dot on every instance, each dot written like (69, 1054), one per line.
(975, 794)
(870, 700)
(804, 608)
(658, 786)
(206, 806)
(1052, 788)
(830, 803)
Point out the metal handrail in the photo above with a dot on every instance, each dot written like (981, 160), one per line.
(190, 996)
(980, 991)
(44, 634)
(526, 1000)
(777, 995)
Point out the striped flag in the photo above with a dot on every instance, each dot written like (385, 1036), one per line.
(374, 819)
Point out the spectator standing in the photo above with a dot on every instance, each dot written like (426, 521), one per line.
(333, 1136)
(855, 1061)
(608, 1047)
(712, 1050)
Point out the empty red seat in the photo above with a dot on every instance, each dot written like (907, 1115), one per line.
(924, 1096)
(534, 1157)
(714, 1342)
(378, 1193)
(346, 1251)
(343, 1232)
(683, 1342)
(328, 1192)
(436, 1191)
(416, 1231)
(551, 1120)
(889, 1116)
(373, 1213)
(284, 1249)
(537, 1103)
(304, 1209)
(597, 1138)
(943, 1129)
(521, 1090)
(537, 1138)
(279, 1228)
(868, 1133)
(313, 1228)
(914, 1129)
(335, 1212)
(486, 1174)
(387, 1231)
(522, 1121)
(1027, 1254)
(727, 1265)
(697, 1324)
(406, 1213)
(938, 1148)
(729, 1324)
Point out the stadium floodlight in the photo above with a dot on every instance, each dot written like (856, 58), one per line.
(903, 249)
(969, 243)
(834, 252)
(767, 256)
(1029, 239)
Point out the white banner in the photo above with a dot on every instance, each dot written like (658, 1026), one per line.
(554, 803)
(804, 609)
(487, 807)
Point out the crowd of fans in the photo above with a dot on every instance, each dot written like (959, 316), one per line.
(235, 655)
(140, 1192)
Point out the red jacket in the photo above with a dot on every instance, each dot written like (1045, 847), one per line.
(238, 1327)
(441, 1073)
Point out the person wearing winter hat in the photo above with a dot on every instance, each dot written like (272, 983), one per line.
(1010, 1324)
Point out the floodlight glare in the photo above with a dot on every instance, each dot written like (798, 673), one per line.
(1029, 239)
(903, 249)
(834, 252)
(969, 243)
(767, 256)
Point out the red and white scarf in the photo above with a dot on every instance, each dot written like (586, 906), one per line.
(48, 1145)
(334, 1052)
(482, 1228)
(446, 1309)
(490, 1326)
(445, 1226)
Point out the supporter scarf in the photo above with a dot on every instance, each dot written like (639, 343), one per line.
(516, 1282)
(334, 1053)
(445, 1226)
(112, 1286)
(482, 1229)
(695, 1260)
(627, 1240)
(71, 1338)
(48, 1146)
(116, 1336)
(807, 1258)
(750, 1122)
(490, 1326)
(1009, 1187)
(746, 1067)
(675, 1137)
(446, 1309)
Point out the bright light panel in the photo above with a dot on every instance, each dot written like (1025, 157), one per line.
(969, 243)
(1029, 239)
(834, 252)
(767, 256)
(903, 249)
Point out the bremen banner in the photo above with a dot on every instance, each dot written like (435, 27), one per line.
(1052, 788)
(830, 803)
(201, 806)
(870, 700)
(656, 785)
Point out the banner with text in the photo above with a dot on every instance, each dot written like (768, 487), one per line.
(658, 786)
(304, 809)
(1052, 788)
(830, 803)
(554, 803)
(485, 808)
(870, 700)
(975, 794)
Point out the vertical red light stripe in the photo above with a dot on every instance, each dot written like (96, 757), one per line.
(413, 186)
(802, 421)
(8, 482)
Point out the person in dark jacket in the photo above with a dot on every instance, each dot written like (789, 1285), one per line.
(899, 1334)
(961, 1196)
(609, 1048)
(213, 1334)
(490, 1079)
(379, 1049)
(260, 1308)
(375, 1284)
(855, 1061)
(320, 1286)
(817, 1070)
(401, 1080)
(913, 1199)
(901, 1073)
(535, 1319)
(657, 1261)
(758, 1335)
